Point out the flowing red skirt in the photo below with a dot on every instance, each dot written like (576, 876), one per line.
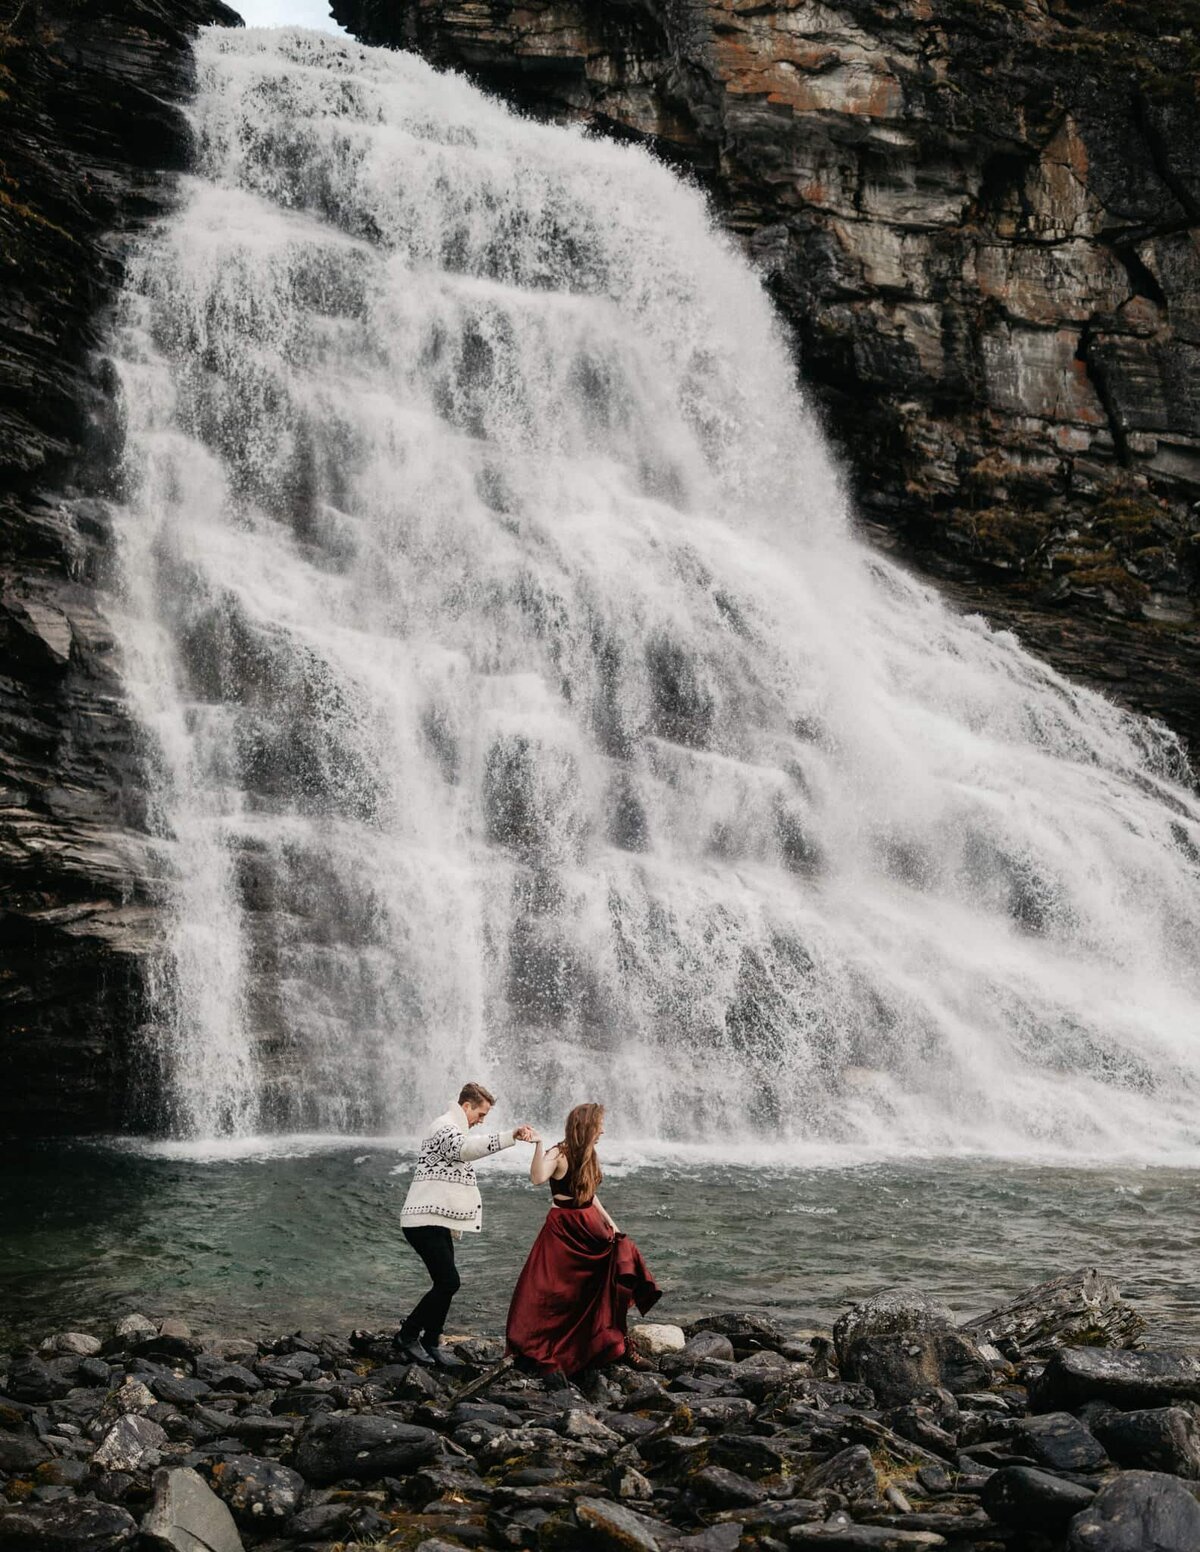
(572, 1298)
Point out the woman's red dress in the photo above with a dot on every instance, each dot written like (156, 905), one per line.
(572, 1298)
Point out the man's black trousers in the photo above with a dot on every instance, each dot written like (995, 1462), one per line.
(435, 1246)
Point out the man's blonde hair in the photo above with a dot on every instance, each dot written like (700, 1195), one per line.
(475, 1094)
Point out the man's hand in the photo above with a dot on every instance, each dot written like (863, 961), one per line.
(524, 1134)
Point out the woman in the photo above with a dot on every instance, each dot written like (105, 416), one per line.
(572, 1298)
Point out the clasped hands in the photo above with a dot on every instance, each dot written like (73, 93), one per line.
(525, 1134)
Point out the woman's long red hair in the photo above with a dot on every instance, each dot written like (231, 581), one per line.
(579, 1145)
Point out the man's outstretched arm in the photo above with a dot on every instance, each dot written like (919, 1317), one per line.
(476, 1146)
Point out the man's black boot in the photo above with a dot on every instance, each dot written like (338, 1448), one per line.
(412, 1351)
(443, 1355)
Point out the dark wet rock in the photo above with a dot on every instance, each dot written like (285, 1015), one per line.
(64, 1472)
(1136, 1512)
(32, 1379)
(71, 1525)
(751, 1456)
(850, 1472)
(934, 1479)
(747, 1333)
(258, 1491)
(231, 1377)
(303, 1400)
(839, 1534)
(1081, 1309)
(921, 1425)
(322, 1522)
(725, 1489)
(705, 1345)
(1029, 1499)
(132, 1444)
(615, 1528)
(339, 1445)
(1155, 1439)
(1059, 1441)
(255, 1430)
(179, 1392)
(187, 1516)
(1080, 1374)
(20, 1453)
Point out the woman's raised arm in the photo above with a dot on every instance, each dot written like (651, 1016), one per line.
(543, 1163)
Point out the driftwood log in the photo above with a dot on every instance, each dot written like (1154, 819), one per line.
(1080, 1309)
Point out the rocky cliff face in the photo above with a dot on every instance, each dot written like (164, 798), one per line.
(980, 218)
(89, 133)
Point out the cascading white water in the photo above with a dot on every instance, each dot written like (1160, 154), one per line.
(525, 709)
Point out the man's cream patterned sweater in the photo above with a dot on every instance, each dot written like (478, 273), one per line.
(444, 1192)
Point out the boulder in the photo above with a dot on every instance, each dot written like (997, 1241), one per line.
(1139, 1511)
(259, 1492)
(1082, 1308)
(1028, 1499)
(337, 1445)
(902, 1343)
(132, 1444)
(1124, 1379)
(70, 1525)
(1154, 1439)
(187, 1516)
(1061, 1442)
(657, 1340)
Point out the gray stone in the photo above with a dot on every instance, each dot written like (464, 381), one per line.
(135, 1328)
(30, 1379)
(77, 1343)
(1155, 1439)
(657, 1340)
(1139, 1511)
(187, 1516)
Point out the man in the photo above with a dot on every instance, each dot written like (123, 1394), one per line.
(442, 1203)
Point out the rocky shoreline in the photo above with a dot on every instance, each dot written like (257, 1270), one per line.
(1042, 1426)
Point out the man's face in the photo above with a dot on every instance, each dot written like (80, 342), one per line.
(476, 1113)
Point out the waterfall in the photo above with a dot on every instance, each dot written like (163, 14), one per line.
(523, 708)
